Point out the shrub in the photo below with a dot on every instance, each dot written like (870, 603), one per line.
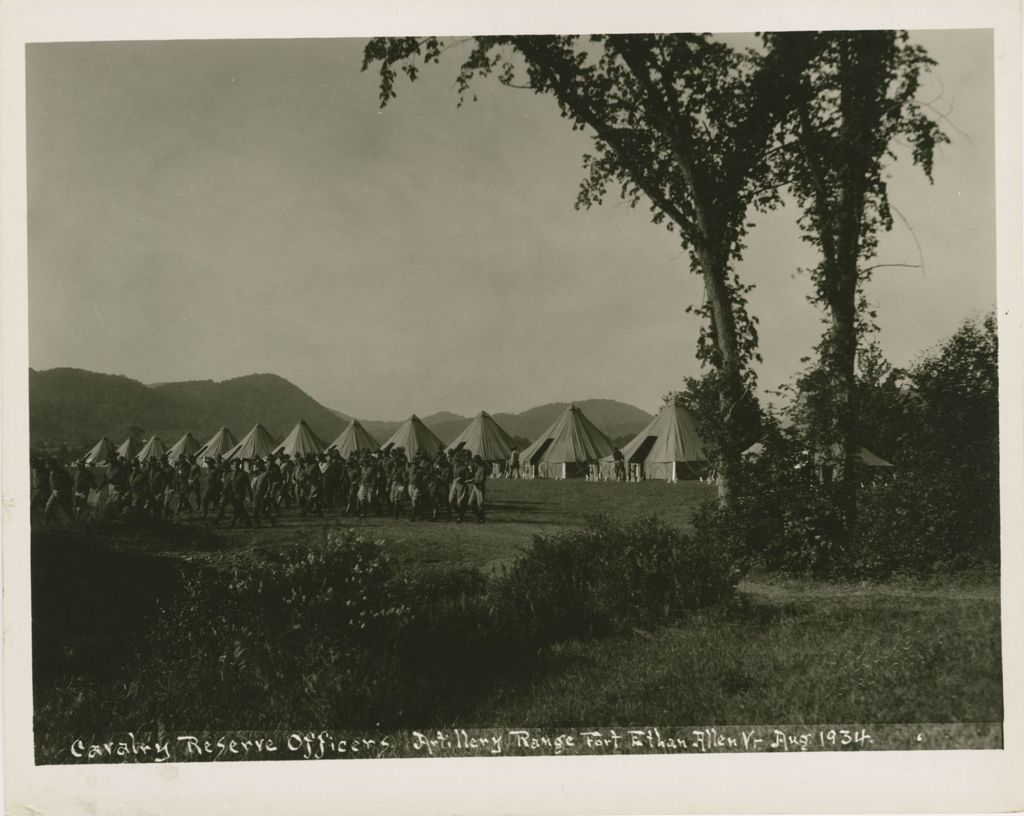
(920, 523)
(308, 630)
(607, 577)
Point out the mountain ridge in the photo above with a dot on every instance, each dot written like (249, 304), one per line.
(77, 406)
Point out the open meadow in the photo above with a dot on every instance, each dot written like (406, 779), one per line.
(116, 637)
(517, 510)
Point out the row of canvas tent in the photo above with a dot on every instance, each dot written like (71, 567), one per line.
(668, 448)
(483, 437)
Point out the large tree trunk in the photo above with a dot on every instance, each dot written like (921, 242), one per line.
(859, 99)
(842, 443)
(730, 388)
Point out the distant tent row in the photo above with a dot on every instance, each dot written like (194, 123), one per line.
(668, 448)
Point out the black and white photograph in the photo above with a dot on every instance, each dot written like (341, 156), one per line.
(638, 394)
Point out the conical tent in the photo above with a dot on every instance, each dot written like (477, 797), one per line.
(872, 460)
(301, 441)
(668, 448)
(254, 445)
(354, 438)
(864, 457)
(485, 438)
(414, 436)
(186, 446)
(101, 452)
(153, 449)
(567, 448)
(130, 448)
(217, 445)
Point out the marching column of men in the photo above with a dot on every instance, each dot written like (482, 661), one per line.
(259, 490)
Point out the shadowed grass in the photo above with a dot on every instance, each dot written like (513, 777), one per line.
(790, 652)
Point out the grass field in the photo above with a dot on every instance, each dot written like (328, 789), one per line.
(791, 651)
(517, 510)
(783, 651)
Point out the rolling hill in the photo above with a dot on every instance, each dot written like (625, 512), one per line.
(78, 407)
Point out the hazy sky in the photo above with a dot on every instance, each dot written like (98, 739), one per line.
(203, 210)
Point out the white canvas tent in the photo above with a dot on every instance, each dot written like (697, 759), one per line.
(186, 446)
(354, 438)
(130, 448)
(668, 448)
(864, 457)
(567, 448)
(301, 442)
(153, 449)
(101, 452)
(256, 444)
(485, 438)
(414, 436)
(217, 445)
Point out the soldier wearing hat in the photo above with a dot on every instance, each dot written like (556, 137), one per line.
(367, 485)
(59, 503)
(462, 475)
(214, 485)
(236, 490)
(83, 484)
(440, 484)
(477, 488)
(262, 497)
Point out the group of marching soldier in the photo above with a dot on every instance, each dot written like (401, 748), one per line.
(259, 490)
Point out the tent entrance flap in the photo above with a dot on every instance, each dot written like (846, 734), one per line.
(540, 452)
(642, 451)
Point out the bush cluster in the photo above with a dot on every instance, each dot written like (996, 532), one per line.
(334, 632)
(609, 576)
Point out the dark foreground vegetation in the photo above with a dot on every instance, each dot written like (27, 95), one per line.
(175, 627)
(330, 629)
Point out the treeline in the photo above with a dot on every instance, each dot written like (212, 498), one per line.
(937, 510)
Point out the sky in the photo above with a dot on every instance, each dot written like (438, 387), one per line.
(209, 209)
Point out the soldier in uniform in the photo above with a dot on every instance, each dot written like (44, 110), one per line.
(397, 486)
(477, 488)
(214, 486)
(367, 485)
(353, 469)
(117, 477)
(440, 483)
(40, 485)
(138, 486)
(263, 505)
(181, 486)
(314, 485)
(417, 476)
(513, 464)
(59, 503)
(459, 492)
(287, 480)
(83, 484)
(236, 490)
